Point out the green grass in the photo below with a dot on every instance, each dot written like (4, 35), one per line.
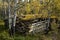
(1, 22)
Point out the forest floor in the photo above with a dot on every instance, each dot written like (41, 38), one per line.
(52, 35)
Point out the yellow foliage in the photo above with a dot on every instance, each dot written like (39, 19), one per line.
(57, 3)
(28, 8)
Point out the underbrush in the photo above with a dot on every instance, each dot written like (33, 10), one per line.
(52, 35)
